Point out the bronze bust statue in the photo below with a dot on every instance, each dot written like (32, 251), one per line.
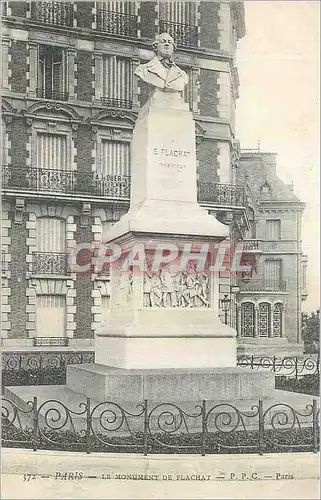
(161, 71)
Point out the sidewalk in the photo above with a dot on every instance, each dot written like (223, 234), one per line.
(49, 474)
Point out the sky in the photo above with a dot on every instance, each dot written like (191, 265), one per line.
(278, 65)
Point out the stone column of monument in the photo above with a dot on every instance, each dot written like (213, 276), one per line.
(164, 338)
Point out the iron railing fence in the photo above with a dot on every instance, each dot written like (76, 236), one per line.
(117, 23)
(117, 103)
(52, 94)
(26, 368)
(228, 195)
(66, 181)
(164, 427)
(17, 361)
(276, 285)
(185, 35)
(55, 263)
(56, 13)
(287, 366)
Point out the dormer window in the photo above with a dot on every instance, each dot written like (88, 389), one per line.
(265, 188)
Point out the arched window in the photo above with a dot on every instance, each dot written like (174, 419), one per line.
(264, 319)
(247, 319)
(277, 320)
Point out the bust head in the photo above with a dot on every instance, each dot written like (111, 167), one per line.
(164, 45)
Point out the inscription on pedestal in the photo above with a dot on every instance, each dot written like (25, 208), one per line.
(168, 157)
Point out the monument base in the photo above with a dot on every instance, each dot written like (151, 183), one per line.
(155, 353)
(103, 383)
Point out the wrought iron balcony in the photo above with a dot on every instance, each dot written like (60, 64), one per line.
(251, 246)
(263, 285)
(56, 13)
(184, 34)
(116, 23)
(221, 194)
(52, 94)
(54, 263)
(117, 103)
(66, 181)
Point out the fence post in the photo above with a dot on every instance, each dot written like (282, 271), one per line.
(315, 426)
(296, 367)
(88, 426)
(274, 364)
(145, 427)
(35, 423)
(203, 427)
(261, 427)
(252, 362)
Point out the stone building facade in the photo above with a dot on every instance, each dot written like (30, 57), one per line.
(69, 105)
(269, 300)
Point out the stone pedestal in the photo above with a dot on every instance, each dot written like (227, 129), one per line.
(164, 314)
(103, 383)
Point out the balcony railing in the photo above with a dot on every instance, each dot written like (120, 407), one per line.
(184, 34)
(52, 94)
(54, 263)
(250, 245)
(56, 13)
(104, 185)
(263, 285)
(116, 23)
(117, 103)
(221, 194)
(66, 181)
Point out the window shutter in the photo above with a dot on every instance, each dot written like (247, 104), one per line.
(115, 158)
(178, 12)
(117, 78)
(52, 151)
(51, 235)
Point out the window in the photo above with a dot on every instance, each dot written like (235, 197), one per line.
(277, 320)
(117, 18)
(179, 19)
(51, 235)
(264, 319)
(51, 316)
(247, 319)
(58, 13)
(51, 151)
(265, 189)
(120, 7)
(273, 229)
(52, 73)
(178, 12)
(117, 82)
(50, 256)
(114, 158)
(272, 274)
